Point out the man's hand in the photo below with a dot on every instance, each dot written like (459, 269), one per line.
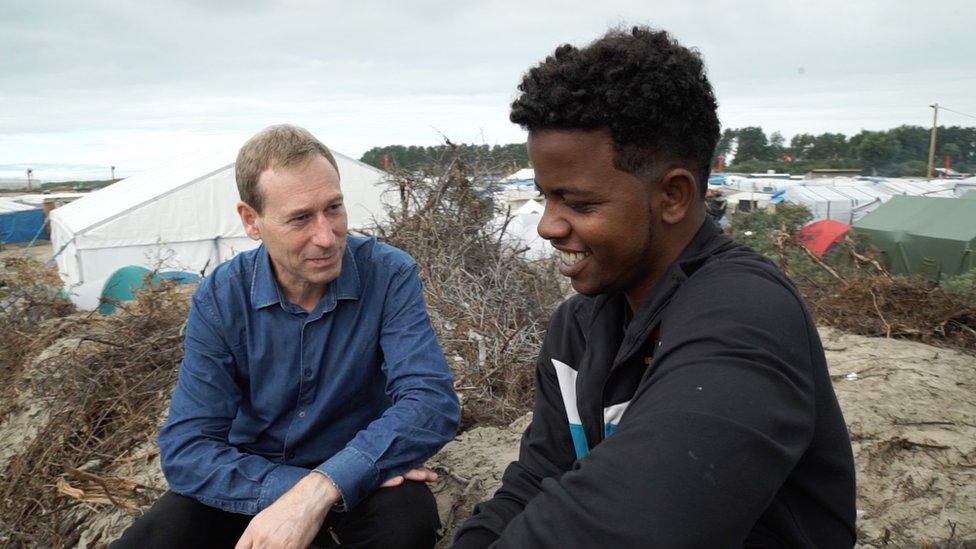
(294, 519)
(420, 474)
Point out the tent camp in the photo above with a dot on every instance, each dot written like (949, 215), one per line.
(820, 236)
(935, 237)
(846, 202)
(964, 186)
(914, 187)
(748, 201)
(19, 222)
(182, 217)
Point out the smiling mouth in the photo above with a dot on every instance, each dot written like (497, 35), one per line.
(572, 258)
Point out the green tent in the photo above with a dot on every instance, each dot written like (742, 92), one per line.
(932, 236)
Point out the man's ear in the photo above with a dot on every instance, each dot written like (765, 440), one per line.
(677, 195)
(249, 219)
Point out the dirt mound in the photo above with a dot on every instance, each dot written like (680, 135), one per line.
(911, 412)
(910, 408)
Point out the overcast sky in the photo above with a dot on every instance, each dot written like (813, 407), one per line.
(136, 84)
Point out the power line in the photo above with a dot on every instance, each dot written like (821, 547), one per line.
(956, 112)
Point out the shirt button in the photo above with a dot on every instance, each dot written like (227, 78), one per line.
(291, 454)
(301, 414)
(308, 372)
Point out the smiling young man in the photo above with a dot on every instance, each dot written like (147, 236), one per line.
(682, 399)
(311, 377)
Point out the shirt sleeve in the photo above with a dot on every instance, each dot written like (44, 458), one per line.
(709, 437)
(425, 411)
(196, 457)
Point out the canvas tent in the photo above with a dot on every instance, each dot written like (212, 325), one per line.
(19, 222)
(914, 187)
(820, 236)
(748, 201)
(964, 186)
(846, 202)
(524, 174)
(522, 232)
(182, 217)
(935, 237)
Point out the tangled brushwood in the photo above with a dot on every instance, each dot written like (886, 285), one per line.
(849, 289)
(489, 307)
(28, 296)
(94, 389)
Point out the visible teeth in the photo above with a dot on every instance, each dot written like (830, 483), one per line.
(572, 258)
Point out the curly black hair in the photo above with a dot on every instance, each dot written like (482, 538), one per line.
(648, 90)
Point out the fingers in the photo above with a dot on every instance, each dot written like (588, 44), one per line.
(245, 541)
(420, 474)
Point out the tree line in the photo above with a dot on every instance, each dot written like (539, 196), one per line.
(504, 159)
(898, 152)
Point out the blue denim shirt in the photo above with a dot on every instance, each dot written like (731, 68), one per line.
(357, 389)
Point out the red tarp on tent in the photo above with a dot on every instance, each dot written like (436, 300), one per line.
(818, 237)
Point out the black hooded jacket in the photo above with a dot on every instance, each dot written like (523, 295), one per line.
(708, 420)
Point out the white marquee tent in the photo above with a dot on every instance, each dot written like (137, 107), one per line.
(914, 187)
(182, 217)
(522, 232)
(846, 203)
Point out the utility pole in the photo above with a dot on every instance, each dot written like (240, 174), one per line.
(935, 119)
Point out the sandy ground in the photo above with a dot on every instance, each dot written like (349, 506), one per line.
(41, 250)
(911, 410)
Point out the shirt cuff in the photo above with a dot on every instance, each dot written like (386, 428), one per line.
(281, 479)
(354, 475)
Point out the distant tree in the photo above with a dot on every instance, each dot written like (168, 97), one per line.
(829, 146)
(751, 144)
(801, 145)
(776, 149)
(876, 149)
(913, 143)
(725, 143)
(507, 158)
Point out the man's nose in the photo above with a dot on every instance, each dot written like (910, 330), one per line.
(323, 234)
(552, 226)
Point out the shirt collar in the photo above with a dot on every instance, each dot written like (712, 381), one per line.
(265, 290)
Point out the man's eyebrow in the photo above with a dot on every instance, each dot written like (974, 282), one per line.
(564, 190)
(306, 209)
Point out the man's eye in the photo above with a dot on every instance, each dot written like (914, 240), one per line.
(335, 207)
(298, 218)
(579, 206)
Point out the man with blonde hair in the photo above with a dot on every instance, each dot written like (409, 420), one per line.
(312, 388)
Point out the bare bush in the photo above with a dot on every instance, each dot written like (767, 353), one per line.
(104, 385)
(29, 296)
(489, 307)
